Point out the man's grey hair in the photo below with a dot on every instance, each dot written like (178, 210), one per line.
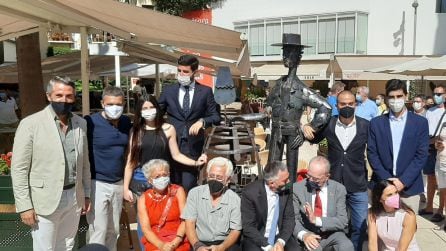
(271, 170)
(220, 161)
(319, 159)
(112, 91)
(338, 86)
(364, 90)
(149, 167)
(59, 80)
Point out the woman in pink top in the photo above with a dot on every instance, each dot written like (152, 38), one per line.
(392, 224)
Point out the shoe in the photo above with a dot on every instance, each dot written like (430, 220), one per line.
(424, 212)
(437, 218)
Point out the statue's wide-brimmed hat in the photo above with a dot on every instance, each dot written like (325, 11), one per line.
(290, 39)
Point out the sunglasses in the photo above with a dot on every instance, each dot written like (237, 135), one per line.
(438, 94)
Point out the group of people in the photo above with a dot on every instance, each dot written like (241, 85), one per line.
(64, 166)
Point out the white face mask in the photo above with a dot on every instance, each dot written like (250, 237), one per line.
(113, 111)
(184, 80)
(378, 102)
(417, 106)
(161, 183)
(149, 114)
(396, 105)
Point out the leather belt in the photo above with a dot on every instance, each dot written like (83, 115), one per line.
(68, 186)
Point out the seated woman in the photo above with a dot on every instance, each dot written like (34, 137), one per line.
(150, 138)
(159, 210)
(392, 224)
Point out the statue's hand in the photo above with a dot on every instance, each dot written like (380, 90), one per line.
(308, 132)
(298, 140)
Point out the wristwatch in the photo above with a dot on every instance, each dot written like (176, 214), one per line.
(204, 123)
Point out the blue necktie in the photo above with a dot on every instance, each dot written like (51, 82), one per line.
(272, 230)
(186, 101)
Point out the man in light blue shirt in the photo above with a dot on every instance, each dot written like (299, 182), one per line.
(365, 108)
(332, 98)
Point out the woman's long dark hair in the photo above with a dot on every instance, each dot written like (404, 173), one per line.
(377, 192)
(139, 123)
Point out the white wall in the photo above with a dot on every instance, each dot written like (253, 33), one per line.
(9, 50)
(385, 19)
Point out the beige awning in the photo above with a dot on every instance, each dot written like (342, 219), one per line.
(357, 67)
(133, 25)
(66, 65)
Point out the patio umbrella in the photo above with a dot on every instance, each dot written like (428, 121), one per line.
(433, 67)
(401, 66)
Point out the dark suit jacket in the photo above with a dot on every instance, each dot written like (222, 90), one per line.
(254, 207)
(347, 167)
(336, 219)
(411, 157)
(203, 106)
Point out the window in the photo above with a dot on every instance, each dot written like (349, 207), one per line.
(361, 37)
(327, 33)
(256, 42)
(308, 32)
(273, 35)
(346, 35)
(291, 27)
(441, 6)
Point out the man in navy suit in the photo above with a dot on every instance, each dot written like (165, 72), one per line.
(191, 108)
(398, 146)
(347, 138)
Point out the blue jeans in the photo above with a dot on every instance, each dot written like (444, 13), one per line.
(358, 205)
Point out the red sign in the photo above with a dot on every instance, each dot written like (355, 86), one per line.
(204, 17)
(199, 16)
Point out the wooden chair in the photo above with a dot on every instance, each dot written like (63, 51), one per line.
(261, 143)
(125, 221)
(263, 156)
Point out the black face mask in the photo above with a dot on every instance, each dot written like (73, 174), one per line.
(313, 185)
(215, 186)
(347, 112)
(62, 108)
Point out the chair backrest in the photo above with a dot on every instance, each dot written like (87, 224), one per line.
(261, 143)
(263, 156)
(258, 130)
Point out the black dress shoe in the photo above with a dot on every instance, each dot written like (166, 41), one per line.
(424, 212)
(437, 218)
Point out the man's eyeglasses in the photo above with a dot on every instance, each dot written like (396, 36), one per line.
(314, 178)
(216, 177)
(438, 94)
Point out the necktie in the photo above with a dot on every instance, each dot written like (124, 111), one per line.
(186, 101)
(272, 230)
(318, 205)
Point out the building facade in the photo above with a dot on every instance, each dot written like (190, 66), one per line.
(347, 37)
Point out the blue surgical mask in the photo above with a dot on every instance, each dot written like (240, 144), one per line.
(358, 98)
(3, 96)
(438, 99)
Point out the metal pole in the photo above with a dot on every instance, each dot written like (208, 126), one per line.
(157, 81)
(415, 6)
(117, 71)
(85, 72)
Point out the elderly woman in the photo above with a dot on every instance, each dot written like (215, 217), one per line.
(159, 210)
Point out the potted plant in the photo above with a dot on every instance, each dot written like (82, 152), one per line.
(6, 194)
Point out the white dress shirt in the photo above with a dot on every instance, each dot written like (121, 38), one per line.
(182, 92)
(397, 126)
(323, 194)
(271, 197)
(345, 133)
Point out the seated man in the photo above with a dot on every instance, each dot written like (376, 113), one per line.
(212, 212)
(320, 209)
(267, 211)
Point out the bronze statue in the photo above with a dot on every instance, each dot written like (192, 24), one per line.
(286, 103)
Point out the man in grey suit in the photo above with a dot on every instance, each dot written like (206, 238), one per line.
(320, 209)
(50, 169)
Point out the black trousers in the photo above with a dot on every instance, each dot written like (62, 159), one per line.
(276, 152)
